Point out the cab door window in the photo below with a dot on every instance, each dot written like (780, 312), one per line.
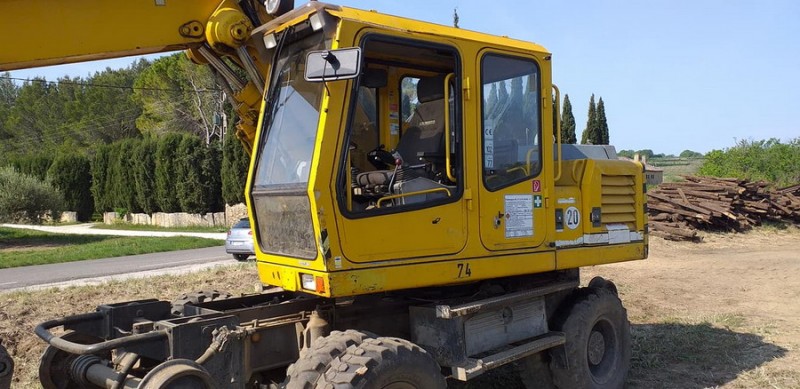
(413, 161)
(511, 120)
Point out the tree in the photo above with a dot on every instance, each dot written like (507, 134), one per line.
(144, 169)
(235, 162)
(590, 133)
(626, 153)
(690, 154)
(166, 195)
(602, 125)
(647, 153)
(189, 175)
(120, 182)
(568, 123)
(178, 96)
(211, 166)
(99, 170)
(70, 174)
(25, 198)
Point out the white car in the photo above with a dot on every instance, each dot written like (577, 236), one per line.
(240, 240)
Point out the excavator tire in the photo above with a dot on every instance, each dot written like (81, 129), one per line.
(6, 367)
(194, 298)
(382, 363)
(598, 348)
(314, 361)
(600, 282)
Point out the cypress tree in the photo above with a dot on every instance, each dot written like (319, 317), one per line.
(568, 123)
(166, 195)
(144, 169)
(235, 163)
(70, 174)
(211, 167)
(189, 176)
(590, 132)
(121, 179)
(602, 124)
(99, 170)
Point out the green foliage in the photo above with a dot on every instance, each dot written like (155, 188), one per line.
(647, 153)
(178, 96)
(568, 123)
(120, 177)
(144, 174)
(590, 135)
(189, 175)
(211, 168)
(35, 165)
(626, 153)
(768, 160)
(166, 156)
(77, 112)
(690, 154)
(99, 170)
(235, 163)
(70, 174)
(602, 124)
(25, 198)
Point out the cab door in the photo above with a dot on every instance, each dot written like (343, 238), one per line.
(511, 199)
(392, 212)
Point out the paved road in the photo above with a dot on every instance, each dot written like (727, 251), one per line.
(98, 270)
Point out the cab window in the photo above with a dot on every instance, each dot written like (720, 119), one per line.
(511, 120)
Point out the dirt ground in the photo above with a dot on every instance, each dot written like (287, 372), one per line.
(721, 314)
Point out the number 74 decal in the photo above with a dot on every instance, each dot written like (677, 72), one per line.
(463, 270)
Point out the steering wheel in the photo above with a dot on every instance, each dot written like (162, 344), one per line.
(380, 158)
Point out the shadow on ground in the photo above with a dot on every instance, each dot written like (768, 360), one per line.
(664, 356)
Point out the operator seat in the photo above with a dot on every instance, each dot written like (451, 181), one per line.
(422, 143)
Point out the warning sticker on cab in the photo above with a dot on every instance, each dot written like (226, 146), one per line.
(519, 215)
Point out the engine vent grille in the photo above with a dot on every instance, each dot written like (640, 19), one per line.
(618, 200)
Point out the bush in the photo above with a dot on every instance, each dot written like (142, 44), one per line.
(70, 174)
(33, 165)
(768, 160)
(24, 198)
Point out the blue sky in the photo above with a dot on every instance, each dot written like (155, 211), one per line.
(674, 74)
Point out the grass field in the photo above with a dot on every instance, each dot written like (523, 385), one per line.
(20, 247)
(675, 168)
(142, 227)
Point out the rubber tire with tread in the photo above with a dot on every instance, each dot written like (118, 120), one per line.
(591, 307)
(383, 363)
(313, 361)
(241, 257)
(194, 298)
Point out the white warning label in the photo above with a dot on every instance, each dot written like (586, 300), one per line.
(519, 215)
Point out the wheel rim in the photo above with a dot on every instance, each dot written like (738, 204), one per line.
(602, 350)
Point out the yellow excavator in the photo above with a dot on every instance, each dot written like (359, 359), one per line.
(417, 220)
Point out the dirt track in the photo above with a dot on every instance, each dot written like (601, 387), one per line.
(725, 313)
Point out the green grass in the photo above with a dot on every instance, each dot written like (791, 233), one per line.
(20, 247)
(142, 227)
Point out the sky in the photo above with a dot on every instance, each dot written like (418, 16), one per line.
(673, 74)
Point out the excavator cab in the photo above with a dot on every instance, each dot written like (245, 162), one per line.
(398, 147)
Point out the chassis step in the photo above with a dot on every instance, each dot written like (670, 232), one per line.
(474, 367)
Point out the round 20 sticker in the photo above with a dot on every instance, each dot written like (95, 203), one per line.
(572, 217)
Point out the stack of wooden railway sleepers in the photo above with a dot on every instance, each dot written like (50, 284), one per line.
(678, 210)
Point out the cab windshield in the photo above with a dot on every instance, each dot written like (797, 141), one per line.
(291, 118)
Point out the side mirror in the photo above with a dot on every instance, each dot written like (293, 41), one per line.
(332, 65)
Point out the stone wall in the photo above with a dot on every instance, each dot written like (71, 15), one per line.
(181, 219)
